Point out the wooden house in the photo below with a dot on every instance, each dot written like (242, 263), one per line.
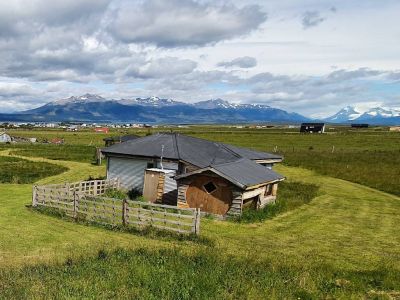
(185, 171)
(312, 128)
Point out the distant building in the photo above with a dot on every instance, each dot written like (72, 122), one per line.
(5, 138)
(312, 127)
(359, 125)
(119, 139)
(395, 128)
(56, 141)
(101, 129)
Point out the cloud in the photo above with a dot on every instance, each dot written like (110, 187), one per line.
(163, 67)
(241, 62)
(311, 19)
(176, 23)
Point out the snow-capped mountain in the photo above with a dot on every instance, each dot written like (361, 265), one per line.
(380, 112)
(86, 98)
(375, 115)
(90, 107)
(151, 101)
(223, 104)
(214, 103)
(344, 115)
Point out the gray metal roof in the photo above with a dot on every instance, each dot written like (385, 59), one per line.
(243, 173)
(199, 152)
(246, 173)
(122, 138)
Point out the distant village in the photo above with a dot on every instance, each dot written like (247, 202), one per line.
(105, 128)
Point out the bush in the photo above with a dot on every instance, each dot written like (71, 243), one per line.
(116, 194)
(290, 196)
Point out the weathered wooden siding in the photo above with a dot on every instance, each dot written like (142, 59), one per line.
(237, 203)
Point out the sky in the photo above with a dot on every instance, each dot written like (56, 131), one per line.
(307, 56)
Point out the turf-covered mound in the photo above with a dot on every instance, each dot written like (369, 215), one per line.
(18, 170)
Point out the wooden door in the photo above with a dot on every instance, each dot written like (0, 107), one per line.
(217, 202)
(151, 179)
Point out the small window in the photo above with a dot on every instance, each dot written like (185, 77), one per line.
(150, 165)
(268, 190)
(210, 187)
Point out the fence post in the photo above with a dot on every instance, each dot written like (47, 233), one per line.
(124, 206)
(197, 224)
(34, 200)
(75, 205)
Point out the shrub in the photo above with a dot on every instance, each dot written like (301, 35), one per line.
(290, 196)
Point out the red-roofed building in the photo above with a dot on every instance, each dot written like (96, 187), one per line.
(101, 129)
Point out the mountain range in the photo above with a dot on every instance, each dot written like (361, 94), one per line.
(374, 116)
(94, 108)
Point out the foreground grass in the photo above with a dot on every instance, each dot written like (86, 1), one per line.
(17, 170)
(291, 196)
(171, 274)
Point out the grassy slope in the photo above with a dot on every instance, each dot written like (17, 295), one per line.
(17, 170)
(350, 228)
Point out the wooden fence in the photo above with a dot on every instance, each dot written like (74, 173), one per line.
(83, 200)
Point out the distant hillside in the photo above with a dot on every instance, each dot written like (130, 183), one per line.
(94, 108)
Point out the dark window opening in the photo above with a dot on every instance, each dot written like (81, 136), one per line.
(268, 190)
(150, 165)
(210, 187)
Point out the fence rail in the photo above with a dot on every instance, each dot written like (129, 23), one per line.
(84, 200)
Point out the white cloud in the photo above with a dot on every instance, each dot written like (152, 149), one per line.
(198, 49)
(182, 23)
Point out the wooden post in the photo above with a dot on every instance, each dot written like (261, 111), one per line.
(75, 205)
(98, 156)
(197, 223)
(96, 188)
(34, 200)
(124, 206)
(274, 189)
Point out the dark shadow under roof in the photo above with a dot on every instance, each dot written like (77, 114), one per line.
(199, 152)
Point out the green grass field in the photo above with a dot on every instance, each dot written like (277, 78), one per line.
(342, 244)
(17, 170)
